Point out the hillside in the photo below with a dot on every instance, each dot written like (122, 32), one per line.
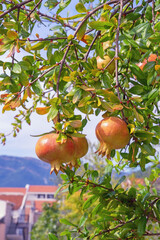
(19, 171)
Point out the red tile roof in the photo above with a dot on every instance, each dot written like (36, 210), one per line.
(39, 204)
(15, 195)
(16, 199)
(43, 189)
(12, 190)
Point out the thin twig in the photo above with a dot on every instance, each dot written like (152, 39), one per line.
(117, 53)
(151, 234)
(36, 79)
(34, 9)
(42, 39)
(153, 15)
(112, 229)
(90, 47)
(15, 7)
(56, 20)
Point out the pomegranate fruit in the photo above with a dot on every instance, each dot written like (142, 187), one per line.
(81, 146)
(56, 153)
(102, 63)
(112, 132)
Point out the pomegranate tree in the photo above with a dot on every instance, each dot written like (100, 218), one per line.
(56, 153)
(112, 132)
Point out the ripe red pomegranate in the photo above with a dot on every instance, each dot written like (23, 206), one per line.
(81, 148)
(112, 132)
(56, 153)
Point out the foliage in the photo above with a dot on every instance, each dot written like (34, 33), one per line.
(47, 223)
(54, 72)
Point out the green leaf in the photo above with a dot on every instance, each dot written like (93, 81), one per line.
(84, 101)
(89, 201)
(137, 89)
(157, 27)
(120, 181)
(37, 88)
(80, 8)
(38, 46)
(144, 135)
(147, 148)
(132, 192)
(83, 220)
(158, 205)
(156, 129)
(157, 7)
(138, 116)
(99, 25)
(66, 222)
(148, 66)
(63, 5)
(16, 68)
(82, 31)
(77, 96)
(52, 114)
(12, 35)
(141, 28)
(52, 237)
(141, 226)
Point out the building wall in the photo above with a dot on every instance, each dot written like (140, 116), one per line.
(2, 231)
(8, 216)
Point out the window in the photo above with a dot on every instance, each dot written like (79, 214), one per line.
(41, 195)
(50, 196)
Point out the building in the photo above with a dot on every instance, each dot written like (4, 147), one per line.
(20, 209)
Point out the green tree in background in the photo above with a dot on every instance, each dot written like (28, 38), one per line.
(47, 223)
(54, 66)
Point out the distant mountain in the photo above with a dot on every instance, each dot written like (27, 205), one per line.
(19, 171)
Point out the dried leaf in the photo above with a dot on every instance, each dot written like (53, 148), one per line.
(42, 110)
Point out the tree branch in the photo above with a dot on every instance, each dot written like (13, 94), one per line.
(34, 8)
(117, 53)
(112, 229)
(90, 47)
(15, 7)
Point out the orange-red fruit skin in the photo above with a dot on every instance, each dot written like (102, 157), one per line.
(112, 132)
(53, 152)
(56, 153)
(81, 146)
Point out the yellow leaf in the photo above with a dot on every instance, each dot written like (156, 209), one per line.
(70, 37)
(106, 114)
(157, 67)
(117, 107)
(131, 128)
(98, 102)
(138, 116)
(107, 7)
(6, 108)
(15, 103)
(87, 39)
(37, 35)
(12, 35)
(76, 123)
(107, 106)
(42, 110)
(66, 79)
